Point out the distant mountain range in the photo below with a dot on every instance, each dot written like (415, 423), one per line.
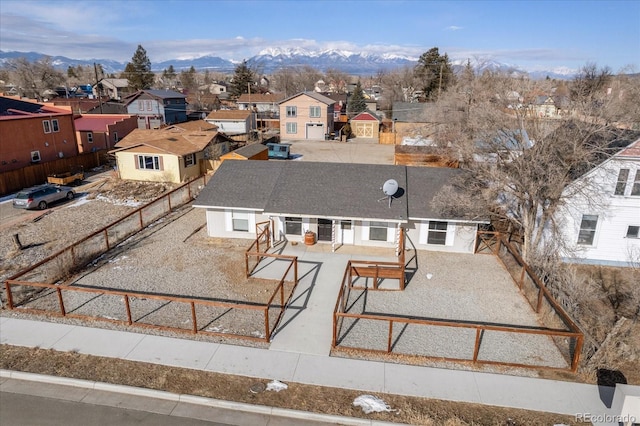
(270, 60)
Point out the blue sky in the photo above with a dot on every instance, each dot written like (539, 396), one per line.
(533, 35)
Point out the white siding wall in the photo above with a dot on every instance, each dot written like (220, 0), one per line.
(615, 214)
(461, 237)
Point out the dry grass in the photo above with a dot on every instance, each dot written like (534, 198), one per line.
(318, 399)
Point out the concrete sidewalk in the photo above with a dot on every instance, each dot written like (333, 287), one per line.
(367, 376)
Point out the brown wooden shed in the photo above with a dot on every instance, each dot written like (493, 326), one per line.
(254, 151)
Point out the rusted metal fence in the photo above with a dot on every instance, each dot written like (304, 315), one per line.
(42, 290)
(471, 337)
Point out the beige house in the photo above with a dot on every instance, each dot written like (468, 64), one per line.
(307, 115)
(174, 154)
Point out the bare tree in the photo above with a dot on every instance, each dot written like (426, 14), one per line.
(34, 78)
(520, 169)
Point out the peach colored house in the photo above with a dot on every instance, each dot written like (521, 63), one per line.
(306, 116)
(173, 154)
(102, 131)
(33, 132)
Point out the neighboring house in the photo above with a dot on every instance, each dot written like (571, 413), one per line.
(366, 125)
(172, 154)
(233, 122)
(156, 108)
(504, 144)
(108, 108)
(606, 232)
(254, 151)
(33, 133)
(307, 115)
(112, 88)
(264, 104)
(342, 203)
(213, 88)
(102, 131)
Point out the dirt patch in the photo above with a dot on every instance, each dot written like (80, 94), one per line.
(318, 399)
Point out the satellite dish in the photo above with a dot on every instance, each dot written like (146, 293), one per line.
(390, 187)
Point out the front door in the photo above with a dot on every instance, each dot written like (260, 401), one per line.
(345, 235)
(324, 230)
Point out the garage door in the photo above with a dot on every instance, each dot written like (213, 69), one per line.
(315, 131)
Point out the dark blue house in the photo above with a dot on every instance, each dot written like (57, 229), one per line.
(155, 108)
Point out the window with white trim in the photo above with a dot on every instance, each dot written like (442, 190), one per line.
(148, 105)
(89, 137)
(292, 111)
(293, 225)
(314, 111)
(635, 189)
(55, 126)
(240, 221)
(115, 137)
(292, 128)
(378, 231)
(621, 184)
(149, 162)
(140, 105)
(587, 233)
(46, 125)
(35, 156)
(437, 233)
(190, 160)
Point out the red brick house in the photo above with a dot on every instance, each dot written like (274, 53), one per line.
(32, 132)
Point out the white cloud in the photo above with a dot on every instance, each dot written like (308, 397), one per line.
(453, 28)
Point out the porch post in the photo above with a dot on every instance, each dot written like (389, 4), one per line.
(333, 235)
(397, 239)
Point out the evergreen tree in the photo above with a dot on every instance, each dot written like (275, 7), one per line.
(243, 78)
(357, 102)
(138, 71)
(435, 73)
(189, 79)
(169, 73)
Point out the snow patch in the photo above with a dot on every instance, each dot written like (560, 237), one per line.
(371, 404)
(276, 385)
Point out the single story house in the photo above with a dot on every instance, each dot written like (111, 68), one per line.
(173, 154)
(342, 203)
(233, 122)
(102, 131)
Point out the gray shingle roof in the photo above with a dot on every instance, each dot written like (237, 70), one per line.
(332, 190)
(250, 150)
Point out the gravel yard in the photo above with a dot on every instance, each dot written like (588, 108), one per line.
(459, 287)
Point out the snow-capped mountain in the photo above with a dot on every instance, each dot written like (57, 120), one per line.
(270, 60)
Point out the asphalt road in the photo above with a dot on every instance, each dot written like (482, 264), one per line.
(19, 409)
(31, 403)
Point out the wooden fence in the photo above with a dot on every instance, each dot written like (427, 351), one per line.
(79, 254)
(557, 324)
(35, 174)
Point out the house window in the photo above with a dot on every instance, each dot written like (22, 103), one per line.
(633, 231)
(35, 156)
(149, 162)
(140, 105)
(189, 160)
(314, 111)
(148, 104)
(55, 126)
(635, 190)
(90, 137)
(292, 111)
(378, 231)
(115, 137)
(293, 225)
(46, 125)
(587, 232)
(621, 185)
(437, 233)
(240, 221)
(292, 128)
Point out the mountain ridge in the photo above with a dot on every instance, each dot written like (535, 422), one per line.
(270, 60)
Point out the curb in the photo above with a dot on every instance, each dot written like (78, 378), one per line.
(191, 399)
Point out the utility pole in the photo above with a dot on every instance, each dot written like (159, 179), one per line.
(95, 70)
(440, 83)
